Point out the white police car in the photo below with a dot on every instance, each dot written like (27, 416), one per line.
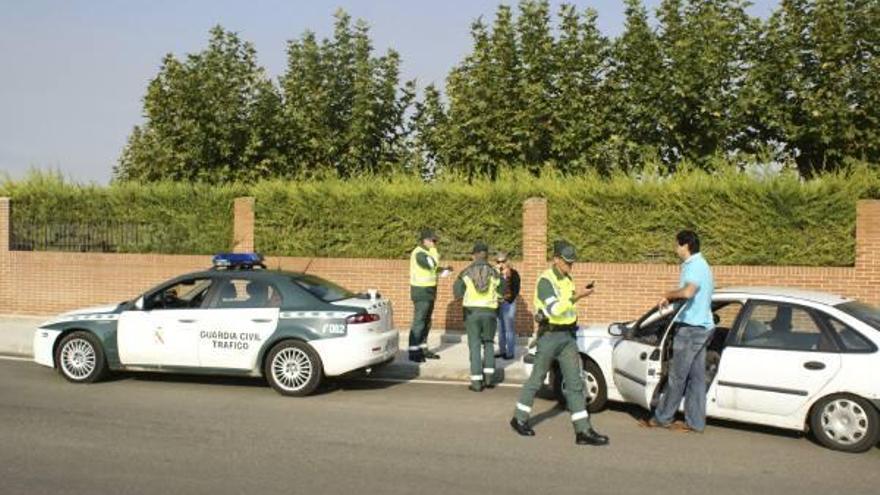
(780, 357)
(236, 319)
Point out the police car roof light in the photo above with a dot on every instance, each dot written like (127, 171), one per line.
(237, 261)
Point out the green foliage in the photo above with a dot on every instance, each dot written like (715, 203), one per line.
(741, 219)
(761, 217)
(175, 217)
(381, 218)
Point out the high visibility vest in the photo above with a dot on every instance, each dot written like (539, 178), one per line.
(563, 289)
(475, 299)
(423, 277)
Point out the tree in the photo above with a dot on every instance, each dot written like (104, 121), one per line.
(210, 117)
(343, 108)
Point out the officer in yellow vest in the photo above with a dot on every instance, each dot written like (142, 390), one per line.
(424, 267)
(479, 287)
(555, 300)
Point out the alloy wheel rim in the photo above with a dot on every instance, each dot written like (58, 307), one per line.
(591, 386)
(78, 358)
(292, 369)
(844, 421)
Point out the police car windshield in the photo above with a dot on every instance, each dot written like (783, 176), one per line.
(864, 312)
(322, 289)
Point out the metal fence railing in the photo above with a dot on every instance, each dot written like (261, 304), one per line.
(107, 237)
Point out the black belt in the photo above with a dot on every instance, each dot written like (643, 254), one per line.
(571, 327)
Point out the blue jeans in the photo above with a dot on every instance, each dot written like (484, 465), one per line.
(507, 329)
(686, 378)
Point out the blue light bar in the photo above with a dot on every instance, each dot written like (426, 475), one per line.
(232, 261)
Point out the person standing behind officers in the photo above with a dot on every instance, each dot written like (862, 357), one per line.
(424, 266)
(555, 300)
(480, 287)
(507, 308)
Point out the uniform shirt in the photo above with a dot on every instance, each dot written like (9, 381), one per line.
(424, 293)
(459, 288)
(697, 310)
(546, 291)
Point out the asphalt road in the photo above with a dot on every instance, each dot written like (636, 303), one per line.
(164, 434)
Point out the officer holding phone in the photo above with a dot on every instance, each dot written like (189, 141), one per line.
(555, 300)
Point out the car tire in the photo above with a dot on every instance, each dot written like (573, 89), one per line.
(80, 358)
(594, 385)
(293, 368)
(845, 422)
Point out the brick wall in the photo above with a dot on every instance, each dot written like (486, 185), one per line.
(50, 282)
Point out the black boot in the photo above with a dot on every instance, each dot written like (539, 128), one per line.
(522, 427)
(416, 357)
(429, 354)
(590, 437)
(489, 380)
(476, 387)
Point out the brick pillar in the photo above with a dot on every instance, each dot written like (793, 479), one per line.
(243, 225)
(534, 258)
(5, 261)
(868, 250)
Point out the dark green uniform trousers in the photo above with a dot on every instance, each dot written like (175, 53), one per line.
(480, 324)
(557, 346)
(421, 325)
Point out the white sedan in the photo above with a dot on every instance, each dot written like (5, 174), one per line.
(780, 357)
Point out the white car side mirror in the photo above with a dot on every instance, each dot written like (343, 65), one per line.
(615, 329)
(139, 303)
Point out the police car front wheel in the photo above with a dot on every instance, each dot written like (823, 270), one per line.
(293, 368)
(79, 358)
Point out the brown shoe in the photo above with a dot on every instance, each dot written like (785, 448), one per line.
(651, 423)
(682, 428)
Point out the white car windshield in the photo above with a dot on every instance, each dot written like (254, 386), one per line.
(864, 312)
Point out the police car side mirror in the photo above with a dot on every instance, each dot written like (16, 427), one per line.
(139, 303)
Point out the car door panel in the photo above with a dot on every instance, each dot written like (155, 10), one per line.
(770, 381)
(233, 337)
(166, 331)
(635, 374)
(159, 338)
(780, 359)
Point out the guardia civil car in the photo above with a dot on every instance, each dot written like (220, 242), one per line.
(292, 328)
(781, 357)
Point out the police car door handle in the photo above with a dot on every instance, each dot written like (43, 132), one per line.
(814, 365)
(182, 320)
(261, 320)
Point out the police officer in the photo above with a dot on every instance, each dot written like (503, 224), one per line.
(480, 287)
(424, 266)
(555, 300)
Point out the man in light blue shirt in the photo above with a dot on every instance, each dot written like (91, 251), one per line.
(695, 325)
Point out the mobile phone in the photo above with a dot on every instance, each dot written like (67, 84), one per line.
(591, 285)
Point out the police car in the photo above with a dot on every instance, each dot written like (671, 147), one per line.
(780, 357)
(238, 318)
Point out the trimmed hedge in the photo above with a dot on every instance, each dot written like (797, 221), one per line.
(742, 218)
(176, 218)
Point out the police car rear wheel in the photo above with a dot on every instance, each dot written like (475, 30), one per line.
(80, 358)
(293, 368)
(594, 385)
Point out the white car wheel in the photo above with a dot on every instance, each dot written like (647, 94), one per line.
(845, 422)
(594, 385)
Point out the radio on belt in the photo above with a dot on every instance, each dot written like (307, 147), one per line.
(237, 261)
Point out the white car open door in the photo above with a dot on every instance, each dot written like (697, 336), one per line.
(637, 358)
